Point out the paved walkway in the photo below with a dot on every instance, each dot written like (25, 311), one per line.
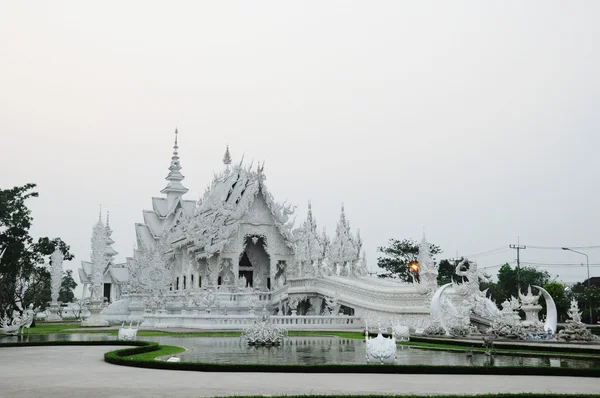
(80, 371)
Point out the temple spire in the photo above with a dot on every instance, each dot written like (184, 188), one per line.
(174, 187)
(110, 252)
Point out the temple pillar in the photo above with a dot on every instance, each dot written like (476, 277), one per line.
(317, 303)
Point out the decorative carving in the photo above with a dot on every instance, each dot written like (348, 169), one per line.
(575, 329)
(264, 332)
(380, 349)
(56, 271)
(129, 333)
(11, 326)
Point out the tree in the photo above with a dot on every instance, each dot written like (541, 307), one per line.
(397, 257)
(67, 286)
(22, 271)
(507, 282)
(446, 270)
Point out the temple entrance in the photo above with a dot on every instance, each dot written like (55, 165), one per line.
(246, 269)
(255, 262)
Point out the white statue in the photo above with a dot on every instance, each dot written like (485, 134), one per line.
(129, 333)
(264, 332)
(575, 329)
(56, 273)
(380, 349)
(529, 298)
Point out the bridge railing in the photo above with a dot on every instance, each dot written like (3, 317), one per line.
(240, 322)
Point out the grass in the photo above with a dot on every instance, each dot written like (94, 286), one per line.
(48, 328)
(152, 355)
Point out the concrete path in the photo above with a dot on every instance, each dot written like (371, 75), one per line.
(80, 371)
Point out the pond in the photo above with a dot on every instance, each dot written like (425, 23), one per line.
(315, 350)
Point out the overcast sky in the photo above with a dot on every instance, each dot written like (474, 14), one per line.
(476, 121)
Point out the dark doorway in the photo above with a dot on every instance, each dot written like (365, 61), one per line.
(248, 276)
(107, 291)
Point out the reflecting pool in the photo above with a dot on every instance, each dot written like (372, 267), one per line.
(313, 350)
(322, 350)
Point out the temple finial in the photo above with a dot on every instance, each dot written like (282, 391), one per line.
(100, 214)
(227, 157)
(108, 218)
(174, 187)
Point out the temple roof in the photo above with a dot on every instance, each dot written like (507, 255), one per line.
(119, 274)
(83, 277)
(224, 205)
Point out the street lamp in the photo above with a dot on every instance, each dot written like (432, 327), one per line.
(414, 267)
(587, 260)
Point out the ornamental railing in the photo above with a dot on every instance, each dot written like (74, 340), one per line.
(239, 322)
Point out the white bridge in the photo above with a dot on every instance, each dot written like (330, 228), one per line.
(323, 303)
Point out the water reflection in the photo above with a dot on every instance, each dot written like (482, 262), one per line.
(314, 350)
(322, 350)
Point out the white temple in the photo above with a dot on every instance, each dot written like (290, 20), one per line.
(212, 263)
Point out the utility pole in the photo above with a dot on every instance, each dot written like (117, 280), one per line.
(518, 247)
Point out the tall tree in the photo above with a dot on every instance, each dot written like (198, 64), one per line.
(22, 271)
(67, 286)
(398, 256)
(446, 271)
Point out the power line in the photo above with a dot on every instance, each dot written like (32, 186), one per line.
(488, 252)
(561, 248)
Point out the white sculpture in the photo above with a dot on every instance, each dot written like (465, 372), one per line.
(18, 324)
(437, 315)
(529, 298)
(56, 273)
(401, 332)
(575, 329)
(264, 332)
(99, 263)
(551, 313)
(380, 349)
(129, 333)
(11, 326)
(529, 304)
(428, 269)
(331, 304)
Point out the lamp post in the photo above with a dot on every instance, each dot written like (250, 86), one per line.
(587, 260)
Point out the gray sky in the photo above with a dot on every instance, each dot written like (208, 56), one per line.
(474, 120)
